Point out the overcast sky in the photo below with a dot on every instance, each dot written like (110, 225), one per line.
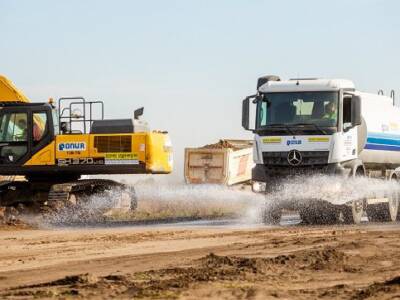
(190, 63)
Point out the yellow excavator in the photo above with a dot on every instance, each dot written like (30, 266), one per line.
(51, 145)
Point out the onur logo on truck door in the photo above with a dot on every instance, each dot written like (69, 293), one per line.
(74, 146)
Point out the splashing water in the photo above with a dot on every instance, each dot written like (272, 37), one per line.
(91, 209)
(333, 189)
(199, 201)
(158, 202)
(166, 201)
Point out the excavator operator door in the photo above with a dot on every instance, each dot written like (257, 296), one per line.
(24, 130)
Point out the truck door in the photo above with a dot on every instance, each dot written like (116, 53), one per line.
(349, 132)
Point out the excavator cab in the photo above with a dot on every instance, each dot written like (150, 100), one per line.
(25, 128)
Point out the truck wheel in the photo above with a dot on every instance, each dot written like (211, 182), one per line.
(357, 210)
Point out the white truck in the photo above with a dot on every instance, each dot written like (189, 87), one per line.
(326, 126)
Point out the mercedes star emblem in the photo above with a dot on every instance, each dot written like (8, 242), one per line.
(294, 158)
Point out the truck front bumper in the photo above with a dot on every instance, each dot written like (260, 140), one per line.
(266, 173)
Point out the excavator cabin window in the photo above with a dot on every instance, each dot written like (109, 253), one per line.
(39, 127)
(13, 137)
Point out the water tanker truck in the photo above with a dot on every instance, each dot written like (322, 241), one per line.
(324, 126)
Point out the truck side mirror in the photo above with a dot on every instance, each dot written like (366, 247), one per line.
(245, 113)
(356, 110)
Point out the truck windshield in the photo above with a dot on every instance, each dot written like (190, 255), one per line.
(318, 109)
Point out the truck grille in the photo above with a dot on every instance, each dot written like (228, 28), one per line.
(309, 158)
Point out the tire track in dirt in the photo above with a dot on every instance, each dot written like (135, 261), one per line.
(346, 262)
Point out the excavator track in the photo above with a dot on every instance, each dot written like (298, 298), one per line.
(61, 191)
(87, 187)
(68, 198)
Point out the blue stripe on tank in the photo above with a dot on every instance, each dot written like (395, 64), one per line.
(383, 141)
(381, 147)
(390, 142)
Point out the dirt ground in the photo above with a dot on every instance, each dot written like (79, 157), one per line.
(194, 262)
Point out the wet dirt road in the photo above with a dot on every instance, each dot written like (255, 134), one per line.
(191, 261)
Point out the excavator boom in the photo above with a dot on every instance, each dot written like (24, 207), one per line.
(10, 93)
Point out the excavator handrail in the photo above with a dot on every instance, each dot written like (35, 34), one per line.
(81, 101)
